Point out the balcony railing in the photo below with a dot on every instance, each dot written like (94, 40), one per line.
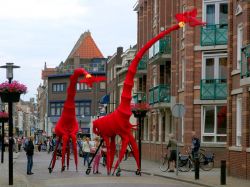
(143, 63)
(162, 46)
(160, 93)
(214, 35)
(213, 89)
(245, 62)
(138, 96)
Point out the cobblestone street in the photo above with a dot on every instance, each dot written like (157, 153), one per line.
(72, 178)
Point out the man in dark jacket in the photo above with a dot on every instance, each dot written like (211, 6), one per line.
(195, 145)
(29, 152)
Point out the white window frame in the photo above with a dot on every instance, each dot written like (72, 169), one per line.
(217, 8)
(102, 85)
(184, 7)
(238, 121)
(214, 134)
(239, 43)
(216, 57)
(182, 129)
(183, 68)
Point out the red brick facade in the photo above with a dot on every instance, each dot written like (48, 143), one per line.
(238, 83)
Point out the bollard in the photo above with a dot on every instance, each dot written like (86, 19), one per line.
(197, 168)
(223, 172)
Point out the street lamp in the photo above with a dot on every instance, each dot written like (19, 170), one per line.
(2, 140)
(139, 110)
(9, 75)
(9, 70)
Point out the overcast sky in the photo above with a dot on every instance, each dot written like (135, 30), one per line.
(35, 31)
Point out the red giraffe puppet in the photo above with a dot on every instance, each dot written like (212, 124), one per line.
(67, 126)
(117, 123)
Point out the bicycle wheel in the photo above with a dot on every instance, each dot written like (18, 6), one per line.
(184, 165)
(205, 164)
(164, 164)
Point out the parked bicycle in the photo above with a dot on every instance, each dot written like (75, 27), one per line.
(186, 162)
(164, 164)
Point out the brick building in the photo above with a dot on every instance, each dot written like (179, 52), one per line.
(238, 83)
(188, 67)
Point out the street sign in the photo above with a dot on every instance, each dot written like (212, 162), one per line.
(178, 110)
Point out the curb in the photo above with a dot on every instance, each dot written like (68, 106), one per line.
(171, 178)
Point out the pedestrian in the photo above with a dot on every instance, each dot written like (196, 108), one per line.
(195, 145)
(98, 156)
(127, 153)
(172, 144)
(86, 151)
(29, 152)
(19, 142)
(39, 145)
(104, 154)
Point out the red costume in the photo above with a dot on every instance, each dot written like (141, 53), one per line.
(67, 126)
(117, 122)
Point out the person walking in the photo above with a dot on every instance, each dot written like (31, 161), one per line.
(29, 152)
(195, 145)
(172, 144)
(86, 151)
(19, 142)
(98, 156)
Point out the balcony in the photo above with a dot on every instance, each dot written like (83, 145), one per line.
(245, 62)
(142, 64)
(160, 50)
(214, 35)
(213, 89)
(158, 94)
(139, 96)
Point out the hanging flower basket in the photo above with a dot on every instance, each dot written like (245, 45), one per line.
(139, 109)
(4, 117)
(10, 92)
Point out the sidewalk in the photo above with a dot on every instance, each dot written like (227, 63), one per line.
(19, 179)
(207, 178)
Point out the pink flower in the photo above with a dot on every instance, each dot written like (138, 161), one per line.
(4, 115)
(14, 86)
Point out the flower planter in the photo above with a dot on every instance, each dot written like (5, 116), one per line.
(10, 96)
(3, 120)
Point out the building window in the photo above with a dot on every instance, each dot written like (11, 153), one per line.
(214, 124)
(238, 121)
(182, 73)
(83, 108)
(214, 67)
(183, 28)
(58, 87)
(216, 12)
(102, 85)
(239, 44)
(56, 108)
(82, 86)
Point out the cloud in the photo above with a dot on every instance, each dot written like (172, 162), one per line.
(41, 9)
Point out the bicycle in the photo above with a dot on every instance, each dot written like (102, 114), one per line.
(164, 164)
(206, 161)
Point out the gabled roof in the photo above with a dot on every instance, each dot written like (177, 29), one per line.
(86, 48)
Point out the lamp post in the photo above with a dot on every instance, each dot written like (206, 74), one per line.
(139, 110)
(2, 140)
(9, 75)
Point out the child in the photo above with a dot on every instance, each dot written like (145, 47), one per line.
(97, 157)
